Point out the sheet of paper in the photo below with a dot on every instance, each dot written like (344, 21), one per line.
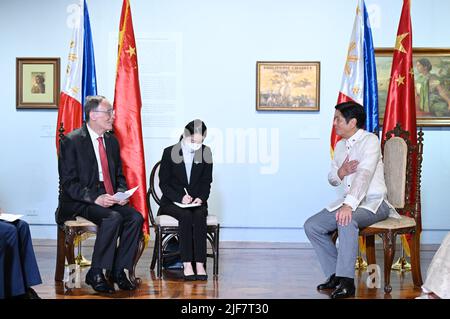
(122, 196)
(9, 217)
(186, 205)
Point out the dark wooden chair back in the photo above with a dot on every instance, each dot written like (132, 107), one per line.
(403, 168)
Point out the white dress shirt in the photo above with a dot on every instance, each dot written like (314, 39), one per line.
(188, 158)
(94, 137)
(366, 187)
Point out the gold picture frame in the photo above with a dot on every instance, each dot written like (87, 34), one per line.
(287, 86)
(37, 83)
(432, 87)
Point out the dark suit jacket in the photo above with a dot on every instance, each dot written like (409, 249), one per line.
(78, 172)
(173, 178)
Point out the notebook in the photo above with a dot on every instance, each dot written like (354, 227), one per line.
(186, 205)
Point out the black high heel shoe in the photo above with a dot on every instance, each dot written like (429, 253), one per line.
(189, 277)
(202, 277)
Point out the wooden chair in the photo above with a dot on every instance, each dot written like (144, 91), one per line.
(70, 230)
(66, 236)
(166, 227)
(401, 178)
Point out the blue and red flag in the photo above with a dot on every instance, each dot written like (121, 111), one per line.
(359, 81)
(80, 75)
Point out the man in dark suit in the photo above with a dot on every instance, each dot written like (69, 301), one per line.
(90, 175)
(18, 267)
(185, 177)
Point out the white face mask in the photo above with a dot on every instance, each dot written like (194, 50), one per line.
(193, 146)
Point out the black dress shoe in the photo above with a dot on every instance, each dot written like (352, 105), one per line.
(98, 282)
(31, 294)
(122, 281)
(345, 289)
(331, 283)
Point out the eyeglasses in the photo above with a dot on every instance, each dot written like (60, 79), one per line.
(110, 112)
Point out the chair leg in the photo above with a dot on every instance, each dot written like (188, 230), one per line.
(389, 252)
(132, 273)
(159, 265)
(415, 260)
(70, 254)
(69, 250)
(155, 254)
(60, 255)
(216, 253)
(370, 250)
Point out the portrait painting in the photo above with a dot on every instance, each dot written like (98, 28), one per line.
(37, 83)
(288, 86)
(431, 69)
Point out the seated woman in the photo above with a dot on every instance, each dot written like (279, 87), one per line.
(437, 283)
(185, 177)
(19, 269)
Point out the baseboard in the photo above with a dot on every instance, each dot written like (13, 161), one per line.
(242, 245)
(281, 237)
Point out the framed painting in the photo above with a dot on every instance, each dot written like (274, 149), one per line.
(287, 86)
(37, 83)
(431, 79)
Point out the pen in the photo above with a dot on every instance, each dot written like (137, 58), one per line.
(186, 191)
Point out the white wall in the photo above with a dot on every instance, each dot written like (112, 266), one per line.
(220, 44)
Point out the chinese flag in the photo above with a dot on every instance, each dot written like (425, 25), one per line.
(400, 105)
(127, 105)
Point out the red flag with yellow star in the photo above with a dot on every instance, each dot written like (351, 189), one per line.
(401, 105)
(127, 105)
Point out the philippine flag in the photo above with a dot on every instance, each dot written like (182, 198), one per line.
(80, 74)
(359, 81)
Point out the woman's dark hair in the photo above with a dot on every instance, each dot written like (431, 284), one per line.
(195, 127)
(352, 110)
(40, 77)
(426, 63)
